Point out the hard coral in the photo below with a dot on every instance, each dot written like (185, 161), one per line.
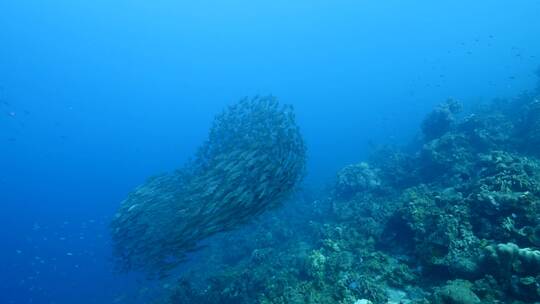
(440, 120)
(455, 219)
(356, 178)
(456, 292)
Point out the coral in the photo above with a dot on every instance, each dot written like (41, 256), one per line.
(368, 288)
(396, 168)
(507, 259)
(517, 269)
(448, 158)
(441, 232)
(440, 120)
(487, 131)
(528, 128)
(454, 218)
(456, 292)
(316, 265)
(356, 178)
(504, 198)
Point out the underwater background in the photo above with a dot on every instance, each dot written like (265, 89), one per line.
(95, 97)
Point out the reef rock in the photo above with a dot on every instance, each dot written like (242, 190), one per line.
(440, 120)
(356, 178)
(456, 292)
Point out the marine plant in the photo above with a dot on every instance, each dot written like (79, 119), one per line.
(252, 161)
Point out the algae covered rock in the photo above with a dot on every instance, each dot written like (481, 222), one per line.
(456, 292)
(504, 198)
(397, 169)
(507, 259)
(440, 231)
(528, 127)
(316, 265)
(363, 301)
(516, 269)
(356, 178)
(449, 157)
(440, 120)
(252, 161)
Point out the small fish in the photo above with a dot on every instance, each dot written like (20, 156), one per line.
(12, 114)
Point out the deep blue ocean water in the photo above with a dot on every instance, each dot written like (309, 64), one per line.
(95, 96)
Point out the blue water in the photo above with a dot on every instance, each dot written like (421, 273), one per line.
(95, 96)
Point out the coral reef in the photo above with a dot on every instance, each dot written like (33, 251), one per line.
(251, 162)
(454, 218)
(456, 292)
(529, 127)
(356, 178)
(440, 120)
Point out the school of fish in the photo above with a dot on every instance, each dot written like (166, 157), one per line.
(253, 159)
